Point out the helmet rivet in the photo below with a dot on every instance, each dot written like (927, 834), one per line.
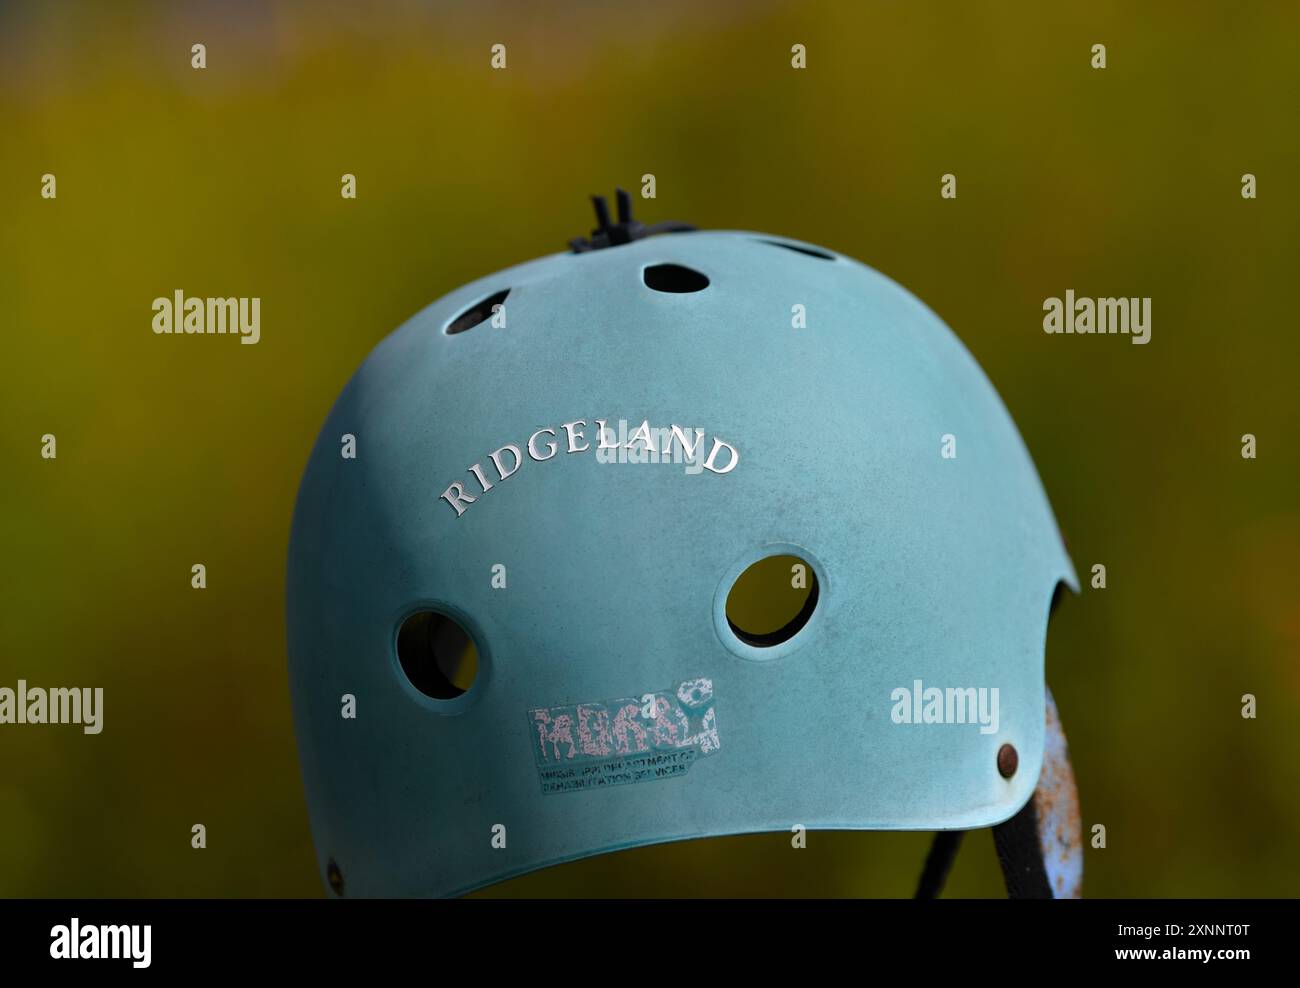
(335, 877)
(1008, 761)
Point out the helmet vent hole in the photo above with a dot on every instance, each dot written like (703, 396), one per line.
(479, 312)
(674, 278)
(437, 655)
(800, 249)
(772, 600)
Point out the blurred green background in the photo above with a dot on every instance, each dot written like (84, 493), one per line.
(225, 181)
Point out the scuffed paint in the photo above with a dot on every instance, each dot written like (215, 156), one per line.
(1056, 800)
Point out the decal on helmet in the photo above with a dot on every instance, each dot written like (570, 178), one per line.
(624, 740)
(722, 457)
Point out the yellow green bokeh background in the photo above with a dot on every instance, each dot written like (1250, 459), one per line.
(225, 181)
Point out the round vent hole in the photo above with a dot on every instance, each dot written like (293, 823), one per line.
(772, 600)
(437, 655)
(674, 278)
(800, 249)
(477, 313)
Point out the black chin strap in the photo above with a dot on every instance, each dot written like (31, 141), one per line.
(1041, 847)
(1021, 855)
(938, 863)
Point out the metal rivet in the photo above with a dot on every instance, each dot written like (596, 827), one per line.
(1008, 761)
(335, 877)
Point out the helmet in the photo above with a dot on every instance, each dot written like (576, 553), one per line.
(672, 536)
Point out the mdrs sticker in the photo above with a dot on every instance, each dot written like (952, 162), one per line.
(625, 740)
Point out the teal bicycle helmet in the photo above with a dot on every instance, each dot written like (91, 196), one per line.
(517, 631)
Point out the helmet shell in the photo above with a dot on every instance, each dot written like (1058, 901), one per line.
(930, 569)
